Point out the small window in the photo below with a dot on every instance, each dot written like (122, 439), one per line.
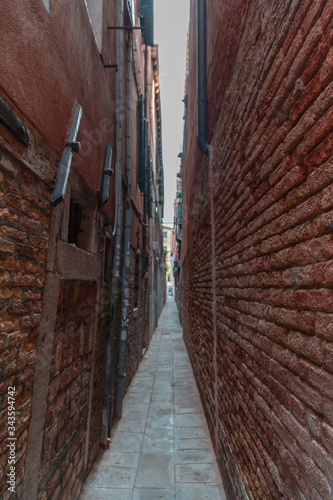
(137, 279)
(74, 223)
(146, 8)
(81, 226)
(165, 234)
(108, 260)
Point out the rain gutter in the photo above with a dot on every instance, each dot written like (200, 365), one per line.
(202, 76)
(117, 232)
(127, 240)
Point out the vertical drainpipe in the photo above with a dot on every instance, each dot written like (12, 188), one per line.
(127, 240)
(110, 346)
(207, 149)
(202, 76)
(156, 261)
(144, 222)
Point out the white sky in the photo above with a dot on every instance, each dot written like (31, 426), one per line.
(171, 23)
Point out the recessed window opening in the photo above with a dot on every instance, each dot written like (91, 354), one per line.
(74, 224)
(108, 260)
(137, 279)
(80, 223)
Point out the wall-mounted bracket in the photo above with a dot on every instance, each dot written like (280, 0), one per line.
(71, 146)
(13, 123)
(129, 28)
(76, 146)
(110, 65)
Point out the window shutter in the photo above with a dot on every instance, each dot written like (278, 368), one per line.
(146, 10)
(141, 145)
(149, 187)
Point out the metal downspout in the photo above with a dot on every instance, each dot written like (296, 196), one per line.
(202, 76)
(127, 240)
(110, 346)
(144, 230)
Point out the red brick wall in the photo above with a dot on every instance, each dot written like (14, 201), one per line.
(71, 354)
(67, 413)
(24, 226)
(98, 385)
(135, 331)
(269, 398)
(56, 44)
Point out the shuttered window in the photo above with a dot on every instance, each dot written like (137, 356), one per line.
(142, 146)
(146, 11)
(149, 186)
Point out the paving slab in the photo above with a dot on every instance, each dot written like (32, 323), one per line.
(122, 477)
(160, 417)
(135, 408)
(154, 494)
(90, 493)
(131, 427)
(125, 441)
(161, 448)
(192, 444)
(117, 459)
(194, 456)
(156, 470)
(160, 397)
(156, 446)
(190, 432)
(180, 410)
(190, 420)
(135, 398)
(200, 492)
(196, 473)
(136, 416)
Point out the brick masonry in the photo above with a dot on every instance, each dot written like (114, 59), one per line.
(24, 229)
(72, 427)
(68, 395)
(56, 261)
(137, 325)
(263, 360)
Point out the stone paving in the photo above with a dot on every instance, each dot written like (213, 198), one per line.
(161, 448)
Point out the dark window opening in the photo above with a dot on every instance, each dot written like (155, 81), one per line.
(81, 223)
(108, 260)
(74, 224)
(137, 280)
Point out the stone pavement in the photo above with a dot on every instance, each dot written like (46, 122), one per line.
(161, 448)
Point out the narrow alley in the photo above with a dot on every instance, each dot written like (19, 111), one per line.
(166, 250)
(161, 448)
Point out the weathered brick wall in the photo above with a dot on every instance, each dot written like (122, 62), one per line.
(263, 359)
(99, 380)
(24, 226)
(67, 412)
(135, 332)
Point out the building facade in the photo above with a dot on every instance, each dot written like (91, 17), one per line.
(257, 242)
(168, 239)
(177, 243)
(80, 247)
